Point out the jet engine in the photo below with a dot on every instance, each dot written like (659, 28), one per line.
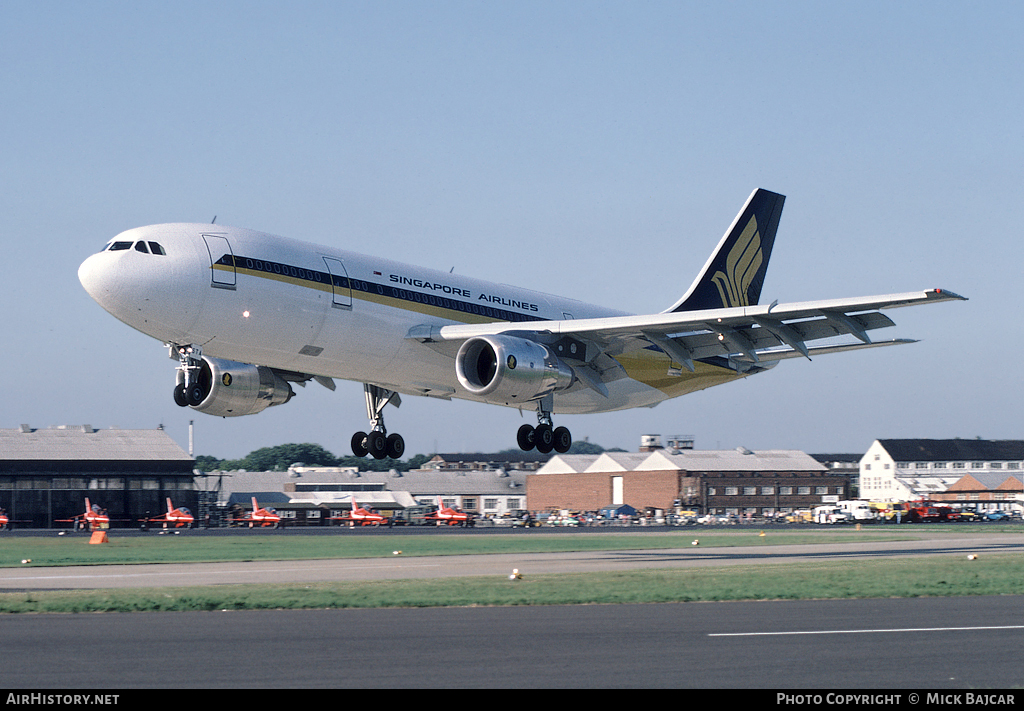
(506, 370)
(228, 389)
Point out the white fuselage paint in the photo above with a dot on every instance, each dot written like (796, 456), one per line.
(258, 315)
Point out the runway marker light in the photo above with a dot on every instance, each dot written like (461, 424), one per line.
(972, 556)
(516, 575)
(695, 542)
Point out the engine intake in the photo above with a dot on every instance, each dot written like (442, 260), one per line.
(507, 370)
(233, 389)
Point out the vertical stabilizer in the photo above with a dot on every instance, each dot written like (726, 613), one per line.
(734, 274)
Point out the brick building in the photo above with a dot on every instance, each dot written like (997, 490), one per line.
(733, 481)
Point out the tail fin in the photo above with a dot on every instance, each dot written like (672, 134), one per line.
(734, 274)
(170, 509)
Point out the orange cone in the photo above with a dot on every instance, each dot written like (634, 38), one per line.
(99, 537)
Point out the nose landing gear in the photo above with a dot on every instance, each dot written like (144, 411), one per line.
(378, 443)
(188, 391)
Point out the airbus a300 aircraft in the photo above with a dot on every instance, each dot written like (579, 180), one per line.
(247, 314)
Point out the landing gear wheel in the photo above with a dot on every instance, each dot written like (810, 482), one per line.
(179, 395)
(359, 444)
(395, 446)
(544, 439)
(562, 440)
(525, 438)
(194, 394)
(377, 444)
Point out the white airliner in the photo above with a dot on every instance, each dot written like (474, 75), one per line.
(247, 313)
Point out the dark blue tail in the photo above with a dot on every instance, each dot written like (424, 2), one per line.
(734, 274)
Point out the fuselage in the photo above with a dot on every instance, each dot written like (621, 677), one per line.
(256, 298)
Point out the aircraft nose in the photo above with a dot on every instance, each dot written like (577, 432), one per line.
(97, 277)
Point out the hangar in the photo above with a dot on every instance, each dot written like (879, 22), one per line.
(46, 474)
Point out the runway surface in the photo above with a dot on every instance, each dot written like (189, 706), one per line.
(901, 644)
(804, 646)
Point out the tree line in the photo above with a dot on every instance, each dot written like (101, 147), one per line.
(282, 456)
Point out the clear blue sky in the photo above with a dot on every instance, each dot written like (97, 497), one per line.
(591, 149)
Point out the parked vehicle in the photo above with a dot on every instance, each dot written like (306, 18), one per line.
(830, 514)
(858, 511)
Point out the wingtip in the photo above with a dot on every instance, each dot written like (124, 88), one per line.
(947, 294)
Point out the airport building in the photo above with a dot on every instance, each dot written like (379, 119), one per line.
(482, 484)
(46, 474)
(740, 481)
(911, 469)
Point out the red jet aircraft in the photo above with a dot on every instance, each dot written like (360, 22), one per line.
(363, 517)
(449, 516)
(180, 517)
(94, 517)
(263, 517)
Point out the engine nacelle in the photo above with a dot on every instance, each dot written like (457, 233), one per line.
(233, 389)
(507, 370)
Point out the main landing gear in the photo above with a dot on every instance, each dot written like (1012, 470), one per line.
(378, 442)
(544, 436)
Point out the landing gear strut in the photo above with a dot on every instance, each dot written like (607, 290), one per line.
(378, 442)
(188, 391)
(544, 436)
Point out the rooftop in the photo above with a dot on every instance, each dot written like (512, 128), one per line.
(86, 443)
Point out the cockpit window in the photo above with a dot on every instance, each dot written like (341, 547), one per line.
(140, 246)
(155, 248)
(118, 246)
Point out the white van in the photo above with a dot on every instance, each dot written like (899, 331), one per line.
(859, 511)
(829, 514)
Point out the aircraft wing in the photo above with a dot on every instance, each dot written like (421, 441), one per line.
(744, 335)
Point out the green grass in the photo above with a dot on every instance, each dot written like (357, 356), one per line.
(53, 550)
(934, 576)
(939, 576)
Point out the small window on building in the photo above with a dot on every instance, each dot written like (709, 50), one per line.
(821, 490)
(767, 490)
(750, 491)
(803, 491)
(786, 490)
(732, 490)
